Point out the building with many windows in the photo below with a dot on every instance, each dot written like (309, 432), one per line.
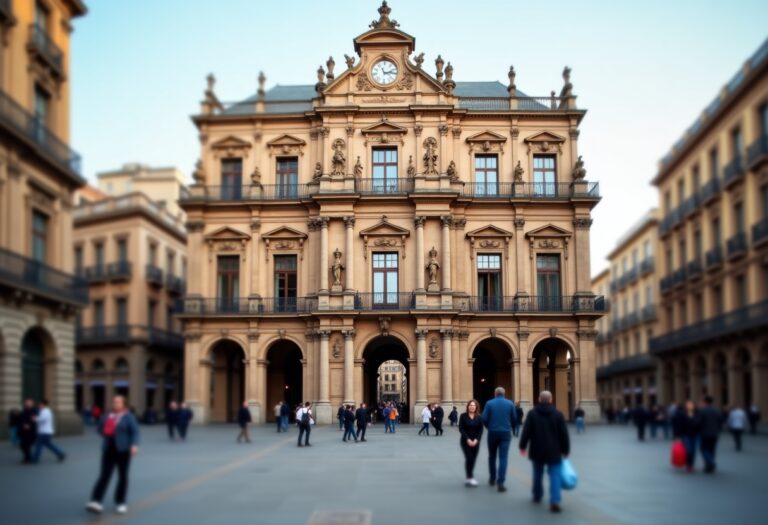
(392, 382)
(39, 173)
(626, 371)
(388, 212)
(132, 252)
(713, 189)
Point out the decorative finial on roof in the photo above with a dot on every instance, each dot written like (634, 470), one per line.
(511, 88)
(419, 59)
(448, 82)
(439, 65)
(384, 20)
(330, 63)
(350, 61)
(567, 90)
(262, 80)
(211, 80)
(320, 86)
(210, 102)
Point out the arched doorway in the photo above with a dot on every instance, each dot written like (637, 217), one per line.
(376, 353)
(98, 383)
(227, 381)
(552, 371)
(284, 376)
(491, 367)
(33, 355)
(745, 368)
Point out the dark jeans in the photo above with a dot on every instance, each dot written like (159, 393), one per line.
(438, 424)
(349, 432)
(553, 470)
(708, 446)
(470, 457)
(279, 423)
(26, 443)
(516, 429)
(171, 430)
(243, 435)
(498, 442)
(109, 458)
(361, 428)
(641, 431)
(690, 443)
(304, 430)
(45, 440)
(424, 428)
(737, 433)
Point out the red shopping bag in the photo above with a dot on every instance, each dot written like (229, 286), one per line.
(678, 454)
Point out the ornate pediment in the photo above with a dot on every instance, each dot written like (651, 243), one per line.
(284, 238)
(226, 239)
(384, 227)
(226, 233)
(489, 237)
(486, 141)
(544, 142)
(384, 235)
(231, 146)
(384, 132)
(549, 230)
(286, 145)
(548, 237)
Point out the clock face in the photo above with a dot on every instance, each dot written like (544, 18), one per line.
(384, 72)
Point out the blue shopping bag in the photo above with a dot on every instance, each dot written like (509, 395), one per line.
(568, 476)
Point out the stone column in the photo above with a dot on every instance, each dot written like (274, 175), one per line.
(421, 367)
(419, 223)
(349, 223)
(324, 254)
(581, 252)
(261, 382)
(447, 368)
(447, 220)
(323, 407)
(349, 367)
(137, 379)
(524, 372)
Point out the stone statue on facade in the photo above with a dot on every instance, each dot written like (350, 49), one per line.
(579, 172)
(339, 160)
(430, 156)
(411, 170)
(256, 176)
(358, 170)
(434, 348)
(336, 269)
(336, 352)
(567, 90)
(350, 61)
(518, 173)
(330, 64)
(419, 60)
(511, 88)
(439, 62)
(199, 174)
(451, 171)
(432, 268)
(318, 171)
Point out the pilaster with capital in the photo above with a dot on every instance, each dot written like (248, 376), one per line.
(325, 370)
(349, 367)
(421, 367)
(419, 223)
(446, 220)
(323, 222)
(447, 366)
(349, 228)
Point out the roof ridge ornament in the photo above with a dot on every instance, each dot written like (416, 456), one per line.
(384, 20)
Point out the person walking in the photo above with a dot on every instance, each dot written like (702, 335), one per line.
(547, 435)
(640, 419)
(27, 430)
(340, 416)
(438, 414)
(578, 418)
(737, 422)
(285, 410)
(426, 417)
(453, 417)
(710, 423)
(120, 432)
(361, 418)
(385, 414)
(45, 431)
(471, 430)
(243, 420)
(349, 424)
(518, 419)
(304, 419)
(183, 419)
(393, 417)
(685, 426)
(172, 419)
(277, 408)
(754, 418)
(499, 416)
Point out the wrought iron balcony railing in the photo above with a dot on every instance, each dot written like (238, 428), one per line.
(120, 270)
(646, 266)
(710, 190)
(760, 232)
(536, 304)
(263, 192)
(714, 258)
(44, 46)
(6, 13)
(94, 274)
(757, 153)
(247, 306)
(381, 186)
(666, 283)
(22, 123)
(694, 269)
(174, 284)
(154, 275)
(626, 365)
(648, 312)
(126, 334)
(737, 245)
(532, 190)
(17, 271)
(384, 301)
(733, 171)
(551, 103)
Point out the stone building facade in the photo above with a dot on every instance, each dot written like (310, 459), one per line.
(713, 192)
(388, 213)
(39, 173)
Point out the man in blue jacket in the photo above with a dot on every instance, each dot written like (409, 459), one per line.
(499, 416)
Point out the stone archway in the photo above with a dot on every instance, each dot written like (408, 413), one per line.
(552, 371)
(284, 376)
(227, 380)
(491, 367)
(377, 351)
(37, 358)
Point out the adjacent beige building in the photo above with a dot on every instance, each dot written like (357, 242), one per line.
(388, 212)
(39, 173)
(713, 189)
(626, 373)
(392, 382)
(132, 252)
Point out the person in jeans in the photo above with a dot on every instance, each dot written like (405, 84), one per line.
(304, 420)
(171, 419)
(518, 419)
(499, 416)
(243, 420)
(349, 424)
(710, 422)
(27, 430)
(361, 417)
(686, 427)
(578, 417)
(471, 430)
(426, 416)
(737, 422)
(45, 433)
(340, 416)
(546, 435)
(284, 411)
(120, 432)
(183, 419)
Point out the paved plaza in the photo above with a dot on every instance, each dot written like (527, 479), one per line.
(391, 479)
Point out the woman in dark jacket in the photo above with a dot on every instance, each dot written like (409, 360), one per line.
(471, 429)
(686, 426)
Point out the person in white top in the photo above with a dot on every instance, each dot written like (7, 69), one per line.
(305, 419)
(45, 433)
(426, 417)
(737, 422)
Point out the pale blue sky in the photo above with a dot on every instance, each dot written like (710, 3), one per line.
(643, 70)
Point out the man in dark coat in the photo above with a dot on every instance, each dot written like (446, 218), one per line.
(640, 418)
(243, 420)
(183, 418)
(361, 417)
(349, 424)
(27, 429)
(171, 419)
(437, 419)
(547, 434)
(710, 423)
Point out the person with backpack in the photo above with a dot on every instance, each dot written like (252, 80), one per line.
(453, 417)
(304, 419)
(243, 420)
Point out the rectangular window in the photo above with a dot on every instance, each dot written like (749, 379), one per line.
(764, 201)
(636, 301)
(385, 279)
(153, 254)
(717, 237)
(683, 313)
(287, 177)
(385, 170)
(169, 319)
(486, 175)
(737, 145)
(170, 263)
(228, 282)
(670, 264)
(698, 308)
(41, 16)
(285, 283)
(680, 191)
(667, 202)
(741, 291)
(78, 260)
(638, 343)
(548, 282)
(231, 179)
(39, 236)
(697, 248)
(717, 299)
(98, 314)
(624, 265)
(151, 313)
(42, 113)
(695, 179)
(544, 175)
(121, 311)
(714, 164)
(98, 255)
(634, 258)
(683, 250)
(647, 249)
(648, 295)
(738, 217)
(489, 282)
(122, 250)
